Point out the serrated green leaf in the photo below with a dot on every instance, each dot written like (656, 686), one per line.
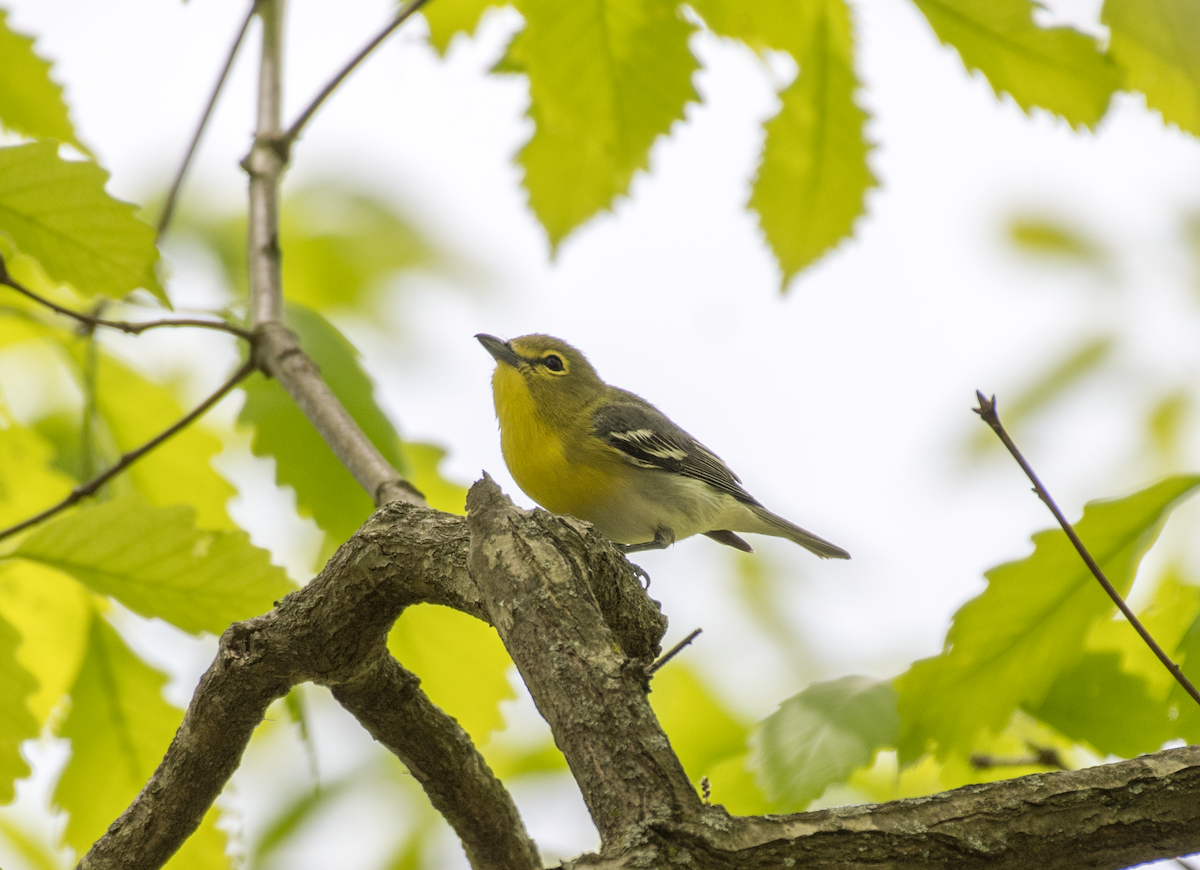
(1099, 703)
(813, 176)
(325, 490)
(448, 19)
(822, 735)
(16, 721)
(442, 494)
(462, 664)
(119, 727)
(1006, 647)
(28, 482)
(157, 563)
(134, 410)
(52, 613)
(31, 103)
(1158, 44)
(606, 79)
(702, 730)
(58, 212)
(1054, 68)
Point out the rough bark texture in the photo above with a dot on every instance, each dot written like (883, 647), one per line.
(581, 630)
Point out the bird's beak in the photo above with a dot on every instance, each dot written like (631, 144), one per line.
(501, 350)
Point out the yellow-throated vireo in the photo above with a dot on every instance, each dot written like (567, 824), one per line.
(578, 446)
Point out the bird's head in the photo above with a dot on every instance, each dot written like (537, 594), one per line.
(541, 371)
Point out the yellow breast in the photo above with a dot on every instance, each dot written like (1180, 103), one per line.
(552, 467)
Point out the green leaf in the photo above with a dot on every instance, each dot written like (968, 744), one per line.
(1007, 646)
(58, 212)
(157, 563)
(1048, 237)
(16, 721)
(813, 177)
(447, 19)
(119, 727)
(1098, 703)
(462, 664)
(442, 494)
(1158, 44)
(31, 103)
(1054, 68)
(325, 490)
(135, 409)
(606, 78)
(822, 735)
(702, 730)
(28, 482)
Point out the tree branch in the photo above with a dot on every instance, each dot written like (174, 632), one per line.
(987, 410)
(127, 459)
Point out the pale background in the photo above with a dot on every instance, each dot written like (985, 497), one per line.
(844, 405)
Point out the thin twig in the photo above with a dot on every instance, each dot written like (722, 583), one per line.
(987, 410)
(406, 12)
(673, 651)
(1042, 756)
(131, 327)
(127, 459)
(164, 219)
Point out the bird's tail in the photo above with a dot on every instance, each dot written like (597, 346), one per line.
(781, 528)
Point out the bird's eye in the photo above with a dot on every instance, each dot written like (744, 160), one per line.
(553, 362)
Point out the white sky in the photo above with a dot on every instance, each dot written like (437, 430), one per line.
(843, 405)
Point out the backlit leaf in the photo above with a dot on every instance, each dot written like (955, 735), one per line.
(16, 721)
(442, 494)
(157, 563)
(822, 735)
(119, 727)
(1158, 44)
(449, 18)
(1054, 68)
(606, 78)
(325, 490)
(28, 482)
(702, 730)
(462, 664)
(204, 849)
(31, 103)
(1007, 646)
(58, 212)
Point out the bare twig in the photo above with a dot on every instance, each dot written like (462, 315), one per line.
(127, 459)
(168, 210)
(987, 410)
(1042, 756)
(406, 11)
(673, 651)
(91, 321)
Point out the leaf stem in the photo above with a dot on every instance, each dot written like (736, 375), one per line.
(987, 410)
(164, 219)
(127, 459)
(406, 12)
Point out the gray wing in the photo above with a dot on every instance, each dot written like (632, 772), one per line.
(645, 437)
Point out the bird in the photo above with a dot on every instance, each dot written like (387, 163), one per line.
(578, 446)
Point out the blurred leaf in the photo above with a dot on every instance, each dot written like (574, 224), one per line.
(52, 613)
(134, 410)
(1047, 237)
(31, 103)
(16, 722)
(58, 212)
(813, 177)
(760, 583)
(606, 79)
(884, 781)
(462, 664)
(35, 853)
(1187, 656)
(204, 849)
(1054, 68)
(28, 482)
(1096, 702)
(701, 729)
(119, 727)
(157, 563)
(822, 735)
(1158, 44)
(442, 494)
(294, 817)
(447, 19)
(1167, 425)
(735, 787)
(508, 761)
(339, 245)
(325, 490)
(1006, 647)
